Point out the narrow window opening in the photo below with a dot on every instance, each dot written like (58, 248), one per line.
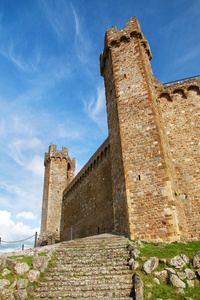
(184, 196)
(139, 177)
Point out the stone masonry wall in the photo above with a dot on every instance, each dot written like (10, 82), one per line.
(87, 201)
(144, 180)
(180, 108)
(144, 191)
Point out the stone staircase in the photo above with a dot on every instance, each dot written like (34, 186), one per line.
(90, 268)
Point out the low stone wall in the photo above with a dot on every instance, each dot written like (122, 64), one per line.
(87, 205)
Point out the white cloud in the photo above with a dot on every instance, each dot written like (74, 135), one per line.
(83, 45)
(76, 21)
(13, 232)
(36, 166)
(28, 215)
(96, 108)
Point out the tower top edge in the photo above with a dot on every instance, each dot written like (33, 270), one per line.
(54, 153)
(113, 33)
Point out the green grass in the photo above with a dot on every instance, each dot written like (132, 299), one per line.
(165, 290)
(161, 250)
(28, 260)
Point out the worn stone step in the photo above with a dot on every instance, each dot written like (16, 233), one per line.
(110, 294)
(97, 252)
(90, 268)
(78, 244)
(91, 258)
(92, 273)
(84, 288)
(95, 266)
(84, 268)
(84, 280)
(88, 298)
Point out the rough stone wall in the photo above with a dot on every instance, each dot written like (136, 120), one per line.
(144, 190)
(59, 171)
(87, 201)
(144, 180)
(180, 108)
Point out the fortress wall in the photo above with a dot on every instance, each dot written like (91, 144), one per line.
(180, 107)
(138, 147)
(87, 201)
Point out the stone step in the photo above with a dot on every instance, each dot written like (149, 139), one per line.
(110, 294)
(88, 298)
(91, 273)
(79, 267)
(92, 249)
(83, 288)
(94, 243)
(83, 280)
(91, 258)
(90, 268)
(89, 263)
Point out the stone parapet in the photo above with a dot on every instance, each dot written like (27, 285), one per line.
(88, 168)
(182, 87)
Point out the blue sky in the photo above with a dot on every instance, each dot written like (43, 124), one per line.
(51, 90)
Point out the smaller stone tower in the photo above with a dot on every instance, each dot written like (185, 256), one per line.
(59, 172)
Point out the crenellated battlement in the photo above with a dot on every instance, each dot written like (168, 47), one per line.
(58, 154)
(89, 167)
(115, 38)
(182, 87)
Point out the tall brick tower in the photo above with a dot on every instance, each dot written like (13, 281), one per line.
(143, 186)
(59, 172)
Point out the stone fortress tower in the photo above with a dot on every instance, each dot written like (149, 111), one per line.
(144, 180)
(59, 172)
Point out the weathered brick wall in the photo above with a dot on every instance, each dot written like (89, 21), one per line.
(59, 171)
(143, 189)
(180, 108)
(87, 201)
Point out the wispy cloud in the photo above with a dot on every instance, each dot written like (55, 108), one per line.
(82, 44)
(58, 16)
(9, 51)
(96, 107)
(76, 21)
